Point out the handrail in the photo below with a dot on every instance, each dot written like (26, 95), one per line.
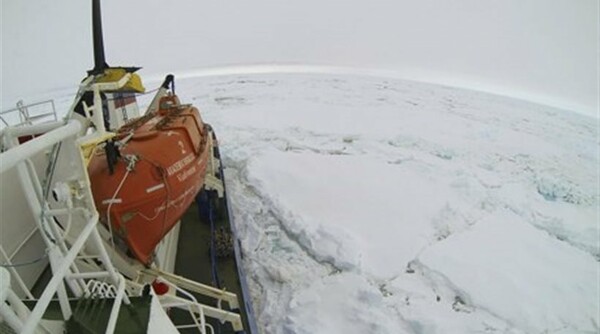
(24, 116)
(26, 106)
(114, 313)
(201, 326)
(59, 275)
(5, 296)
(206, 290)
(184, 286)
(15, 155)
(235, 319)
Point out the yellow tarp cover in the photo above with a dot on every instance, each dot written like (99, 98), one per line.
(88, 148)
(115, 74)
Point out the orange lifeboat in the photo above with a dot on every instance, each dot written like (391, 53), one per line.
(162, 166)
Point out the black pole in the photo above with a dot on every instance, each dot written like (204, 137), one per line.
(169, 81)
(99, 60)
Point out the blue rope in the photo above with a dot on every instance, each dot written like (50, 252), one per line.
(213, 258)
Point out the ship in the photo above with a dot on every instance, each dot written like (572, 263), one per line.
(115, 220)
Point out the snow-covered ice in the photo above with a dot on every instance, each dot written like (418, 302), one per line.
(387, 206)
(372, 205)
(509, 268)
(357, 214)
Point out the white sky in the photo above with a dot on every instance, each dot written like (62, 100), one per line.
(544, 51)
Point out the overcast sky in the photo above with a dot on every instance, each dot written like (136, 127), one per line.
(540, 50)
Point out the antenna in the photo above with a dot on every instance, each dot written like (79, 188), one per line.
(99, 61)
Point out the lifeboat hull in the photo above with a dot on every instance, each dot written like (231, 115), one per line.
(161, 169)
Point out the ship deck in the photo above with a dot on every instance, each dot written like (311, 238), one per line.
(194, 261)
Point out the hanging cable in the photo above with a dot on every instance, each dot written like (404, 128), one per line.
(132, 159)
(26, 263)
(112, 200)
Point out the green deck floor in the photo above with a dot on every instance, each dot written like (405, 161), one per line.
(193, 260)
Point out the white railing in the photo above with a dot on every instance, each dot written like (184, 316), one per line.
(29, 114)
(193, 286)
(169, 301)
(62, 256)
(193, 307)
(198, 311)
(19, 153)
(10, 314)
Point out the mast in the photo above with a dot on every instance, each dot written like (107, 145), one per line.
(99, 60)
